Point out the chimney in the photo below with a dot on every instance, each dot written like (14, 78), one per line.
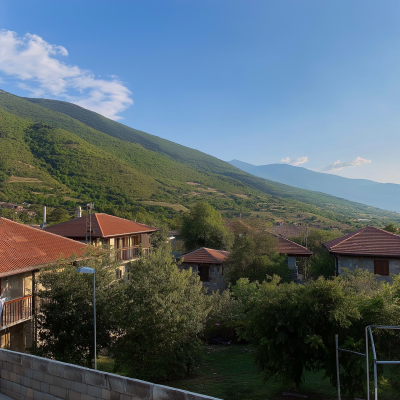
(79, 212)
(43, 224)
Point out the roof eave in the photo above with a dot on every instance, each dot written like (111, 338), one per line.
(364, 255)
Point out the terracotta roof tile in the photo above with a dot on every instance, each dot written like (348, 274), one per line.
(287, 230)
(367, 241)
(23, 247)
(205, 256)
(293, 249)
(103, 225)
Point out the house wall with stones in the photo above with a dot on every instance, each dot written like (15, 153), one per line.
(24, 376)
(217, 279)
(367, 264)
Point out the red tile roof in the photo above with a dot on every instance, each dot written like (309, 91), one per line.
(287, 230)
(367, 241)
(205, 256)
(293, 249)
(103, 225)
(23, 248)
(238, 227)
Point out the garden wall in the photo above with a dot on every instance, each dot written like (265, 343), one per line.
(23, 376)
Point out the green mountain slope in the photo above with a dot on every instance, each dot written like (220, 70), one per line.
(82, 154)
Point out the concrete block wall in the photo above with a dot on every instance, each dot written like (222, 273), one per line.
(23, 376)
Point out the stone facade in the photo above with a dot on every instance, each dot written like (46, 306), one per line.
(24, 376)
(367, 263)
(216, 280)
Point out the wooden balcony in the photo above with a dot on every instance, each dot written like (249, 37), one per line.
(16, 311)
(129, 253)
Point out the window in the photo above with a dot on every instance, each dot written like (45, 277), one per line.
(381, 267)
(119, 274)
(204, 272)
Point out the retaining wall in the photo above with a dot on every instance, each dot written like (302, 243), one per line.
(23, 376)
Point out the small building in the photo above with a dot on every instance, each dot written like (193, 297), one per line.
(122, 235)
(23, 252)
(369, 248)
(208, 263)
(293, 250)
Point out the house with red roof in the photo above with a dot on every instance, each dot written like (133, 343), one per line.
(23, 252)
(208, 263)
(285, 246)
(122, 235)
(372, 249)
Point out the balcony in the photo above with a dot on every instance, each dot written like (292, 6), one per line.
(15, 311)
(129, 253)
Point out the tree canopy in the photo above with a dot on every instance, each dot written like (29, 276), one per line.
(203, 227)
(162, 316)
(254, 256)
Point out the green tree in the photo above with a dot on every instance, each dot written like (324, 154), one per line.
(59, 215)
(65, 323)
(163, 314)
(292, 327)
(254, 256)
(321, 263)
(391, 227)
(203, 227)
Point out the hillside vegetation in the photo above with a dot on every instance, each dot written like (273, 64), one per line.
(75, 153)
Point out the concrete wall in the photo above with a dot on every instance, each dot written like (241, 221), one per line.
(367, 263)
(23, 376)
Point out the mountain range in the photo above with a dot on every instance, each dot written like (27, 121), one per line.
(382, 195)
(54, 149)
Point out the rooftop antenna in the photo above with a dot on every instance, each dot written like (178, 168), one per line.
(89, 207)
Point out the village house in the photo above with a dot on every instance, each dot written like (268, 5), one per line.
(125, 237)
(23, 252)
(371, 249)
(209, 263)
(285, 246)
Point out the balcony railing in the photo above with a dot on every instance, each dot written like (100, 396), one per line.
(17, 310)
(129, 253)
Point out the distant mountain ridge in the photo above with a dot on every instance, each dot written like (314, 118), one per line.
(382, 195)
(54, 149)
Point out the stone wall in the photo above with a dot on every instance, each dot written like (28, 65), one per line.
(217, 279)
(367, 263)
(23, 376)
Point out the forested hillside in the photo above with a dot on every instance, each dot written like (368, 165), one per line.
(50, 149)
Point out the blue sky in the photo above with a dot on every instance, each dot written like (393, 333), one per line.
(313, 83)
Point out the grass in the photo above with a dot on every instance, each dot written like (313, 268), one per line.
(229, 373)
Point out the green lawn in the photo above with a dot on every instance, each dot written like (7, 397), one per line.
(229, 373)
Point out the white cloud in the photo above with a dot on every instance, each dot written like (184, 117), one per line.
(338, 165)
(296, 161)
(33, 63)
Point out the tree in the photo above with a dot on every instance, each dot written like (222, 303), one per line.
(292, 327)
(254, 256)
(391, 227)
(65, 322)
(59, 215)
(163, 314)
(203, 227)
(321, 263)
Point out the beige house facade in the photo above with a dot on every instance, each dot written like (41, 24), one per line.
(127, 238)
(23, 252)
